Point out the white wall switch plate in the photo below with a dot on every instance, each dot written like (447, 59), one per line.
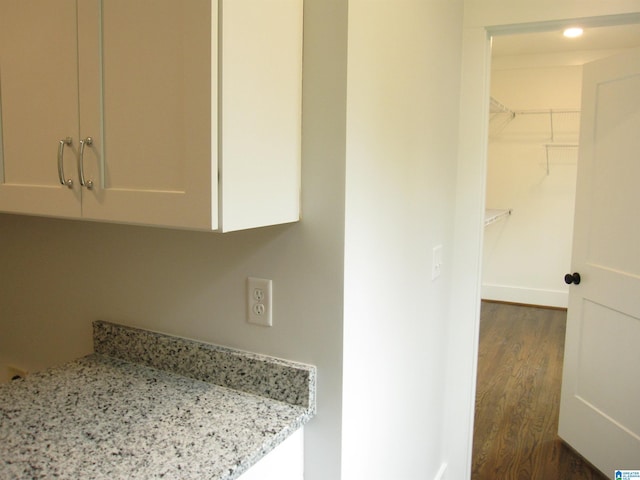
(436, 266)
(259, 301)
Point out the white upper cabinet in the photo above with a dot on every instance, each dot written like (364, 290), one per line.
(179, 113)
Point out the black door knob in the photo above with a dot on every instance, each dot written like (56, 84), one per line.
(570, 278)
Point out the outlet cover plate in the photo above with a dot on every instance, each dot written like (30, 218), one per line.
(259, 301)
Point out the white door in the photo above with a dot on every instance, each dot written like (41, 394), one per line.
(145, 100)
(38, 107)
(600, 404)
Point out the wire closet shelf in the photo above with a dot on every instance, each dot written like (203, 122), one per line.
(560, 126)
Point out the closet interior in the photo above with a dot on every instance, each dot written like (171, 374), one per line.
(532, 161)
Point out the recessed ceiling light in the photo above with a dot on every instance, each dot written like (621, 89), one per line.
(572, 32)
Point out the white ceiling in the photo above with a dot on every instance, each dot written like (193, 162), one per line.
(601, 38)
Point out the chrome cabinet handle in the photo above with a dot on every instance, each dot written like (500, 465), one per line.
(88, 183)
(68, 182)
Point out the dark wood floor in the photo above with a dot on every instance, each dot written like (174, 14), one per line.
(518, 397)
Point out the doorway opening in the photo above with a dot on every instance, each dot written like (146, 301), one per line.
(531, 171)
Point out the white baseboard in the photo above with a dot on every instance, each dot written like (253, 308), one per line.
(529, 296)
(441, 472)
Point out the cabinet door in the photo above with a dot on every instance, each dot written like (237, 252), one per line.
(285, 462)
(38, 106)
(145, 100)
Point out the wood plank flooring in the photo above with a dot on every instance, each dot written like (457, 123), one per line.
(518, 397)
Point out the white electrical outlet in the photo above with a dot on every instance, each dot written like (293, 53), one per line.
(259, 300)
(436, 265)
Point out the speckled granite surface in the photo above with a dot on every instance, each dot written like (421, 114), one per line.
(106, 418)
(270, 377)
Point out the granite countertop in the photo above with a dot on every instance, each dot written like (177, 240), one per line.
(147, 405)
